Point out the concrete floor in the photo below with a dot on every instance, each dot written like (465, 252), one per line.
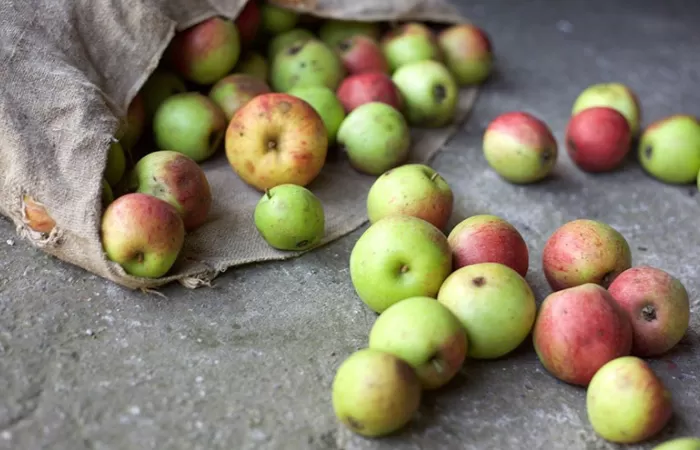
(248, 364)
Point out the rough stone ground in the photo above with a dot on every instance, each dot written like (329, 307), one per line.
(248, 364)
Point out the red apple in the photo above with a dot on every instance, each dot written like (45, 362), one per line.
(360, 54)
(367, 87)
(468, 53)
(248, 22)
(578, 330)
(598, 139)
(235, 90)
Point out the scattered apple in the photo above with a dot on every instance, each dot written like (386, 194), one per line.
(681, 443)
(429, 92)
(362, 54)
(248, 22)
(285, 40)
(326, 104)
(233, 91)
(306, 63)
(409, 43)
(333, 31)
(612, 95)
(358, 89)
(669, 149)
(158, 87)
(598, 139)
(253, 64)
(275, 19)
(36, 216)
(116, 163)
(467, 52)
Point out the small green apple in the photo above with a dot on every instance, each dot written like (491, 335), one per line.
(159, 86)
(326, 104)
(253, 64)
(306, 63)
(669, 149)
(409, 43)
(681, 443)
(282, 41)
(333, 31)
(612, 95)
(275, 19)
(116, 163)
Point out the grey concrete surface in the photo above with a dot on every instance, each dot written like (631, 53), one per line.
(248, 364)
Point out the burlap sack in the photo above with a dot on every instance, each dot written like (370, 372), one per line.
(69, 70)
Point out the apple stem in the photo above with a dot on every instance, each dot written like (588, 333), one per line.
(433, 176)
(267, 192)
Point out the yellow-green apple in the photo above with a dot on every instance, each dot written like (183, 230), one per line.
(669, 149)
(467, 52)
(116, 163)
(356, 90)
(143, 234)
(158, 87)
(290, 217)
(375, 137)
(252, 63)
(519, 147)
(598, 139)
(333, 31)
(176, 179)
(612, 95)
(425, 334)
(626, 402)
(584, 251)
(409, 43)
(133, 124)
(248, 22)
(411, 190)
(657, 305)
(495, 305)
(276, 19)
(374, 393)
(306, 63)
(429, 93)
(205, 52)
(488, 238)
(578, 330)
(189, 123)
(396, 258)
(233, 91)
(681, 443)
(275, 139)
(36, 217)
(326, 104)
(107, 196)
(361, 54)
(284, 40)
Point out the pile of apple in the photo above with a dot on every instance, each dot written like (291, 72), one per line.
(443, 299)
(279, 91)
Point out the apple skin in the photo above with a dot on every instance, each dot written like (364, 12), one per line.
(409, 43)
(143, 234)
(233, 91)
(333, 31)
(326, 104)
(284, 40)
(396, 258)
(176, 179)
(425, 334)
(626, 402)
(116, 163)
(205, 52)
(429, 93)
(495, 305)
(612, 95)
(681, 443)
(669, 149)
(189, 123)
(275, 19)
(36, 216)
(306, 63)
(356, 90)
(520, 148)
(361, 54)
(411, 190)
(598, 139)
(133, 125)
(275, 139)
(375, 393)
(248, 22)
(375, 137)
(657, 305)
(467, 52)
(158, 87)
(584, 251)
(107, 196)
(253, 64)
(488, 238)
(578, 330)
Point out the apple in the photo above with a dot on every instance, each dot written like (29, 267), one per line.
(176, 179)
(429, 92)
(411, 190)
(133, 125)
(233, 91)
(495, 305)
(306, 63)
(290, 217)
(578, 330)
(374, 393)
(36, 217)
(626, 402)
(284, 40)
(681, 443)
(333, 31)
(375, 137)
(116, 163)
(276, 19)
(253, 64)
(361, 54)
(107, 196)
(657, 305)
(358, 89)
(584, 251)
(612, 95)
(143, 234)
(396, 258)
(467, 52)
(160, 85)
(598, 139)
(275, 139)
(425, 334)
(248, 22)
(205, 52)
(326, 104)
(409, 43)
(520, 148)
(189, 123)
(488, 238)
(669, 149)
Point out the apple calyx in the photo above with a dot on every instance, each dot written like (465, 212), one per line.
(648, 150)
(345, 45)
(649, 313)
(439, 93)
(295, 48)
(479, 281)
(404, 268)
(271, 145)
(547, 155)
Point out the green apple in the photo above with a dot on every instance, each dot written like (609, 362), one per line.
(159, 86)
(626, 402)
(326, 104)
(411, 190)
(116, 163)
(233, 91)
(669, 149)
(290, 217)
(275, 19)
(333, 31)
(495, 305)
(681, 443)
(306, 63)
(409, 43)
(189, 123)
(429, 92)
(376, 138)
(612, 95)
(375, 393)
(253, 64)
(282, 41)
(399, 257)
(107, 193)
(425, 334)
